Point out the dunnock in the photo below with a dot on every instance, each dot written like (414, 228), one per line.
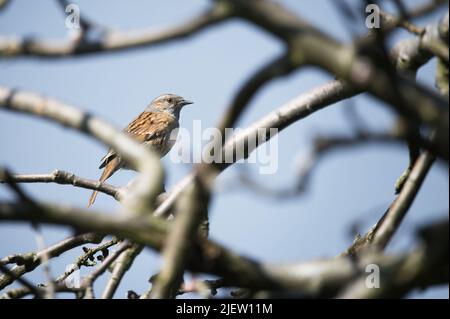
(153, 128)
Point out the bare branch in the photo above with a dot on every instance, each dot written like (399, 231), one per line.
(280, 66)
(111, 41)
(189, 213)
(431, 41)
(403, 202)
(424, 266)
(66, 178)
(35, 290)
(88, 281)
(392, 20)
(26, 291)
(379, 235)
(29, 261)
(45, 258)
(86, 258)
(123, 263)
(6, 177)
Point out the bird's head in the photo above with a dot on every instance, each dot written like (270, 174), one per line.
(171, 103)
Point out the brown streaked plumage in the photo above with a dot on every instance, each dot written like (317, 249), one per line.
(153, 128)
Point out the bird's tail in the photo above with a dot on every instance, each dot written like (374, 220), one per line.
(110, 168)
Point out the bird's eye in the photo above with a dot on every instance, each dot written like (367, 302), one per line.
(169, 100)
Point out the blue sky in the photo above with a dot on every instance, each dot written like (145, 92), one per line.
(348, 187)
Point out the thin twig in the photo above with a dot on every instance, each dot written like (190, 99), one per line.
(35, 290)
(397, 211)
(89, 280)
(123, 263)
(179, 244)
(84, 259)
(29, 261)
(380, 234)
(399, 22)
(21, 292)
(45, 259)
(65, 178)
(111, 40)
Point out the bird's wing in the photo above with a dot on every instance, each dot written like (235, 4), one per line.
(149, 125)
(146, 127)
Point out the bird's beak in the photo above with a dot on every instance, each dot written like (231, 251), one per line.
(185, 102)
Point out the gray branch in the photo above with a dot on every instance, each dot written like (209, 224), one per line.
(27, 262)
(66, 178)
(111, 40)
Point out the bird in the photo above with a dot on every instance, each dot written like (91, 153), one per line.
(152, 128)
